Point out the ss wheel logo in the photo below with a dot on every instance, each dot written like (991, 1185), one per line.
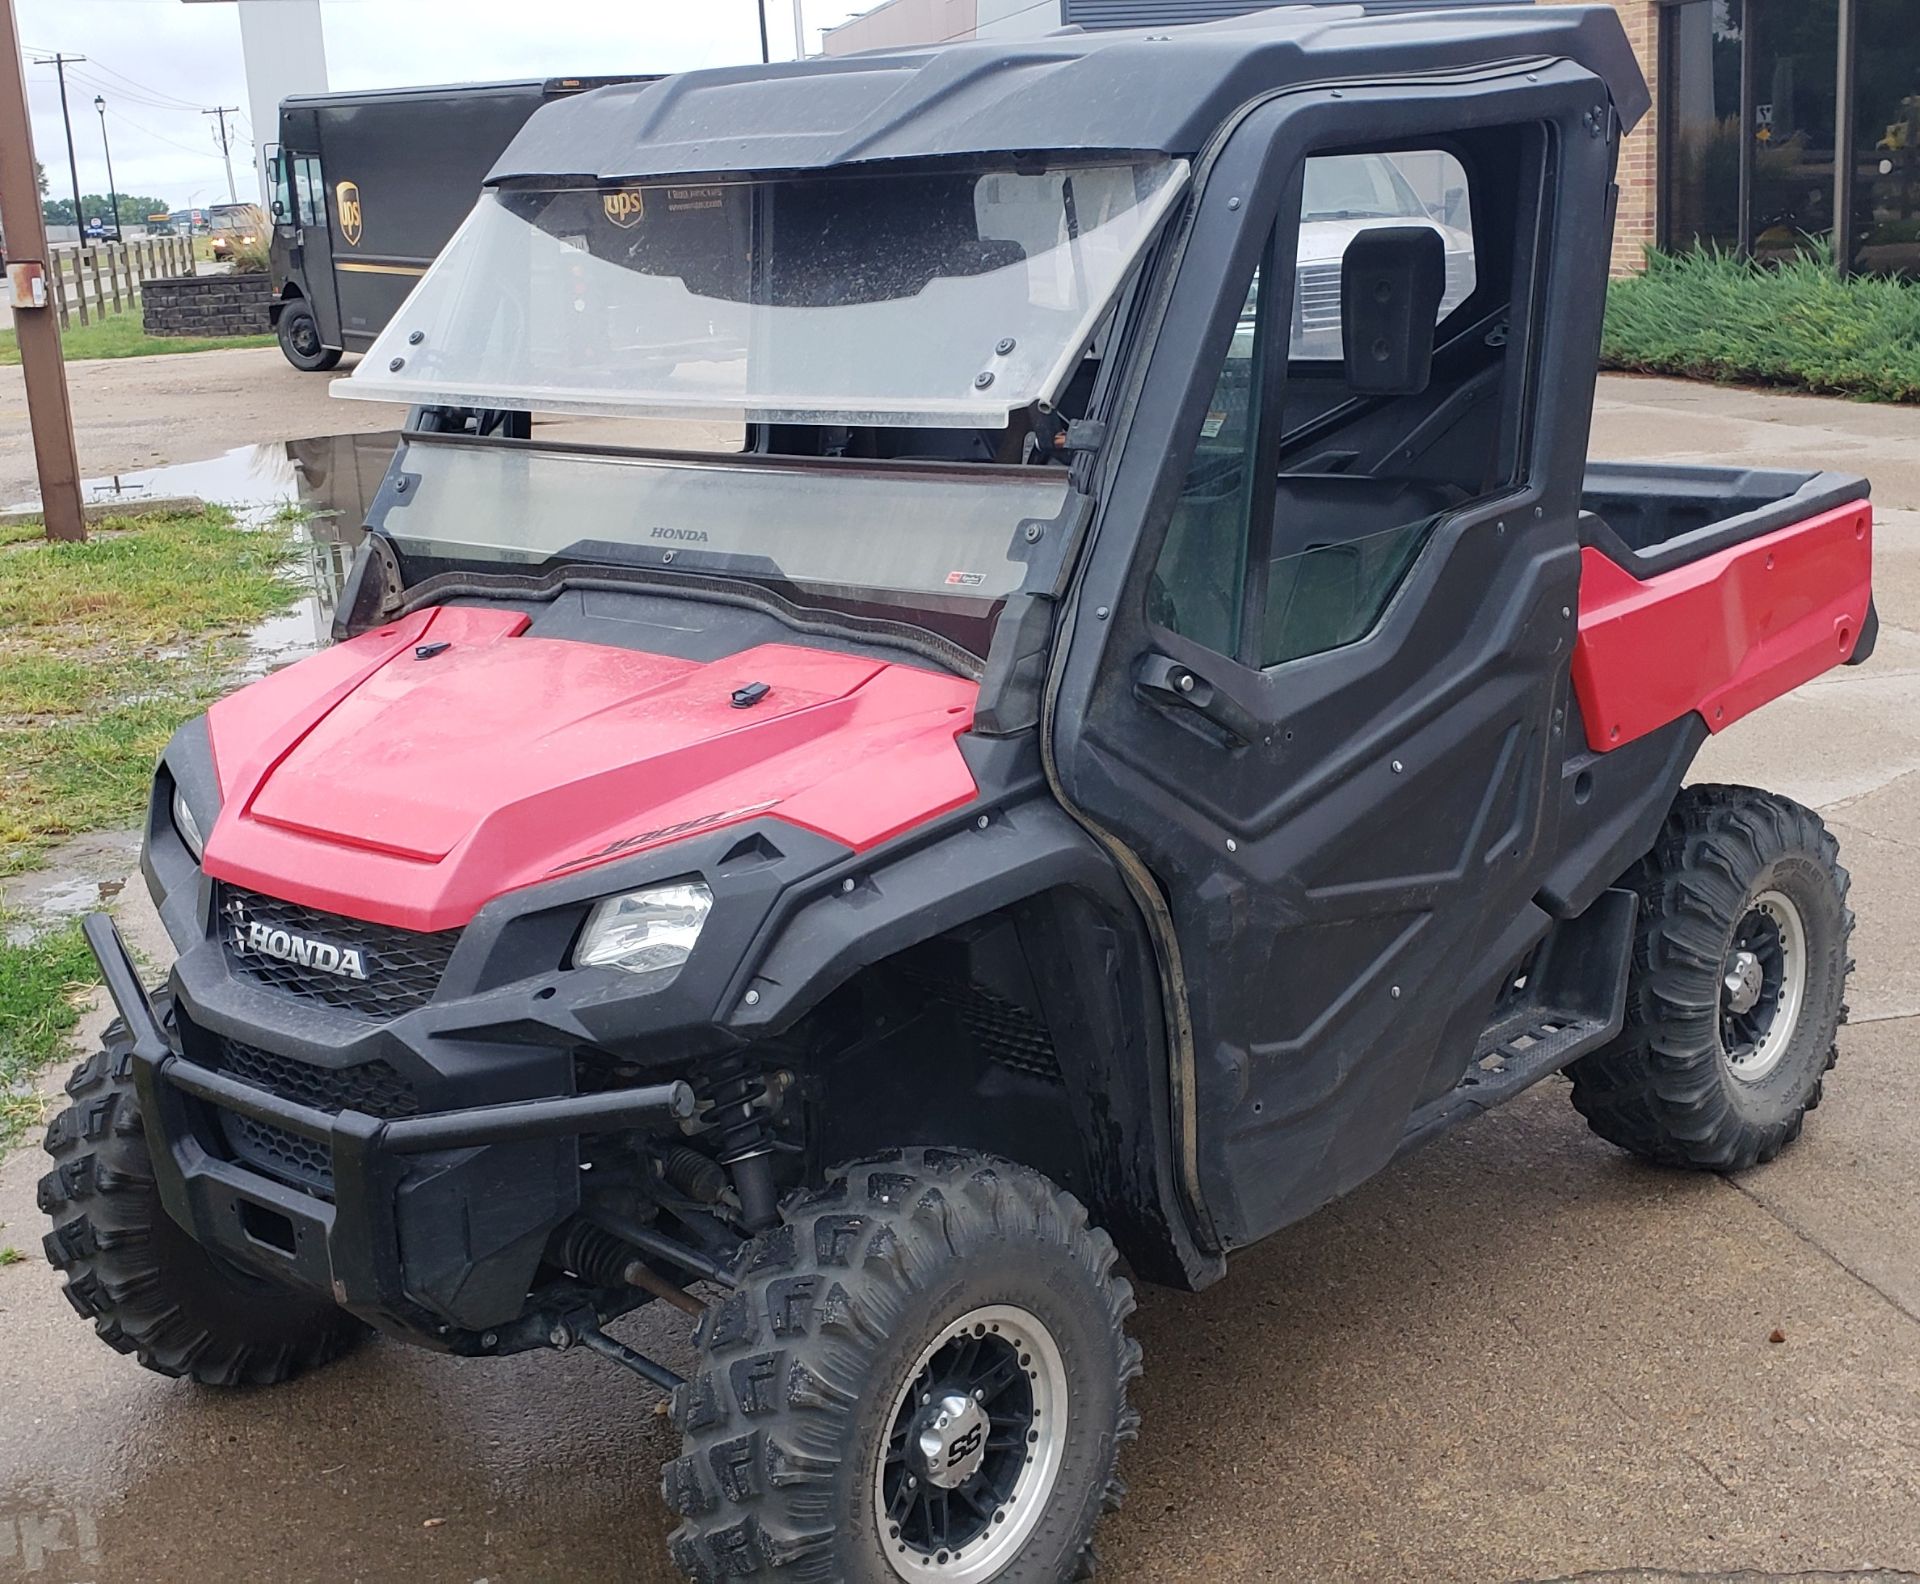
(965, 1447)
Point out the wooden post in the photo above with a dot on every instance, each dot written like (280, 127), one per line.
(99, 295)
(80, 284)
(113, 272)
(44, 371)
(58, 272)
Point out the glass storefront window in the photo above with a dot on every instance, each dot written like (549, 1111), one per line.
(1886, 206)
(1796, 52)
(1700, 124)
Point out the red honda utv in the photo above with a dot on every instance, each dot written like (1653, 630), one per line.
(1153, 717)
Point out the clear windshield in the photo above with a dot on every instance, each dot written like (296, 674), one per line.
(903, 532)
(950, 299)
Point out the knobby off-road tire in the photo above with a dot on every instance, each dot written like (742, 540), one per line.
(1744, 924)
(853, 1323)
(148, 1288)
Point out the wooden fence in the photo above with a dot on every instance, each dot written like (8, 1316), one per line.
(106, 277)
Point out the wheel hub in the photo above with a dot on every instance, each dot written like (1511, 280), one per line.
(1763, 985)
(978, 1434)
(1744, 980)
(949, 1440)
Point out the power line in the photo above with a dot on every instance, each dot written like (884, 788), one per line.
(131, 96)
(145, 131)
(158, 93)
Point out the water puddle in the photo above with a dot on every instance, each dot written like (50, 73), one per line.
(332, 478)
(79, 876)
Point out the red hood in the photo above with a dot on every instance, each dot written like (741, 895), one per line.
(371, 782)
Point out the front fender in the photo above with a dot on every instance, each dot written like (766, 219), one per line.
(1088, 948)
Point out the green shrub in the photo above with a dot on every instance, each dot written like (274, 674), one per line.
(1708, 315)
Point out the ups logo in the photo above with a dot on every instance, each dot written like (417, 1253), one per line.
(626, 207)
(346, 198)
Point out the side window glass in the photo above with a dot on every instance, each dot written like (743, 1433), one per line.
(313, 198)
(1354, 506)
(1345, 194)
(1199, 585)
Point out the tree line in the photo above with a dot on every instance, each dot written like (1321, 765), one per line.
(133, 208)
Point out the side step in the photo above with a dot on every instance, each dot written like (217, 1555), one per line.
(1575, 1001)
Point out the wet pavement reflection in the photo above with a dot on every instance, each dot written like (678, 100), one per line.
(331, 478)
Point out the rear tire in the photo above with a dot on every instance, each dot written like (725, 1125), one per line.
(148, 1288)
(934, 1339)
(299, 334)
(1737, 990)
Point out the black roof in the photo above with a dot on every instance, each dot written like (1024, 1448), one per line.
(515, 87)
(1160, 89)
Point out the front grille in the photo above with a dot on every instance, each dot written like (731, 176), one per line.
(1317, 288)
(373, 1088)
(266, 939)
(1461, 278)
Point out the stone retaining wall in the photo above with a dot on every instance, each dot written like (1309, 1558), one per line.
(207, 305)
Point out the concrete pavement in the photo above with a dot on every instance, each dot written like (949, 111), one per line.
(1517, 1355)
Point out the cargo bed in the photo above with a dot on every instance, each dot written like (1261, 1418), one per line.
(1714, 590)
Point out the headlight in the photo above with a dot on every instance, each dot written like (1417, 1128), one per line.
(645, 931)
(187, 826)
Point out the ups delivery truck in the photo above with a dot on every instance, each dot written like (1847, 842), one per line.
(366, 189)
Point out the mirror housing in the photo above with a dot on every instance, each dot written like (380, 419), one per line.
(1391, 281)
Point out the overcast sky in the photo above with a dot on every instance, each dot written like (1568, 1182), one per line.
(158, 63)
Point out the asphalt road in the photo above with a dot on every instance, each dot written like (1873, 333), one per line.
(1517, 1355)
(142, 412)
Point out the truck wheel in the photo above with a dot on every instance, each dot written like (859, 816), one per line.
(1737, 990)
(922, 1375)
(149, 1289)
(300, 340)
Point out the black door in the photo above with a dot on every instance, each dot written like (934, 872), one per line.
(310, 253)
(1319, 652)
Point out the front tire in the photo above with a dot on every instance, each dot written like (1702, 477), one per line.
(1737, 990)
(299, 334)
(921, 1376)
(148, 1288)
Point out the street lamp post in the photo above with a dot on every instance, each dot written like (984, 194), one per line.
(113, 197)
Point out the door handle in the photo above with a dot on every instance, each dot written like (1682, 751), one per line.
(1164, 680)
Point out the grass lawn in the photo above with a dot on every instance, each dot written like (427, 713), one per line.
(1798, 325)
(119, 335)
(40, 984)
(105, 647)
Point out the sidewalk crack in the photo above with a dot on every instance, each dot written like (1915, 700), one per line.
(1813, 1242)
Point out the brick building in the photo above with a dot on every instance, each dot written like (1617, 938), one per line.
(1777, 124)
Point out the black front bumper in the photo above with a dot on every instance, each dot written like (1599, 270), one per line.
(436, 1222)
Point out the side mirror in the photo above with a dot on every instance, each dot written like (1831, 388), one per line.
(279, 210)
(1391, 282)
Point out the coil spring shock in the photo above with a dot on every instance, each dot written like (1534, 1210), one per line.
(735, 1101)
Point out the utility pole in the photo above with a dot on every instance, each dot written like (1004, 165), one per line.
(764, 55)
(60, 63)
(799, 32)
(226, 146)
(48, 411)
